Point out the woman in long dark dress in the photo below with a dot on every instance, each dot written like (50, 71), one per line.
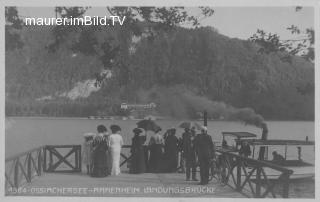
(171, 151)
(155, 147)
(138, 164)
(100, 165)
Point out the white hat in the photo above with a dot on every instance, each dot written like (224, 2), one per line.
(204, 128)
(89, 135)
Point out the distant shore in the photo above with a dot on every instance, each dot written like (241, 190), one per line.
(120, 119)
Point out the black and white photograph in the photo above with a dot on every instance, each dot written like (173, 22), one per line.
(160, 101)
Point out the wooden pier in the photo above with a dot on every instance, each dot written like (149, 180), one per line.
(125, 185)
(55, 170)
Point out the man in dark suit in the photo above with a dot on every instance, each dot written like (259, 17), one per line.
(205, 151)
(189, 153)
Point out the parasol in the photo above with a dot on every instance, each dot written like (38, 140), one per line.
(148, 125)
(190, 124)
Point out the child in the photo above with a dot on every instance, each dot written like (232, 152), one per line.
(87, 151)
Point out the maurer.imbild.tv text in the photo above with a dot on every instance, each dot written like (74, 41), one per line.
(85, 20)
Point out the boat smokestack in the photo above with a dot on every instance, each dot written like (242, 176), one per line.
(205, 118)
(265, 131)
(264, 136)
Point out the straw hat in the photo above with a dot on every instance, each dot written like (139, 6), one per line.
(138, 130)
(115, 128)
(204, 128)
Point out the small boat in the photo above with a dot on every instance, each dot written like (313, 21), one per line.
(301, 168)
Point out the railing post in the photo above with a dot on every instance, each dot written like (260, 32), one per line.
(238, 185)
(40, 161)
(29, 168)
(285, 181)
(50, 159)
(258, 183)
(76, 156)
(80, 159)
(45, 159)
(16, 173)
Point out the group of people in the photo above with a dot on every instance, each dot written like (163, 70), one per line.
(101, 152)
(197, 150)
(161, 153)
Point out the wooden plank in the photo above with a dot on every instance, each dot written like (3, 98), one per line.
(34, 165)
(61, 146)
(258, 183)
(23, 171)
(247, 180)
(80, 159)
(16, 173)
(256, 162)
(45, 159)
(50, 157)
(239, 163)
(9, 181)
(269, 186)
(40, 162)
(76, 159)
(285, 181)
(29, 168)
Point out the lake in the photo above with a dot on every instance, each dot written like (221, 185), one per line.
(22, 134)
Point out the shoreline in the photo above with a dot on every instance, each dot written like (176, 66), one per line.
(128, 119)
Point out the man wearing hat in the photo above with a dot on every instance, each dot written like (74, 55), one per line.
(189, 153)
(205, 151)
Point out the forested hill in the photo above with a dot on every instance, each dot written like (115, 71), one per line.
(183, 71)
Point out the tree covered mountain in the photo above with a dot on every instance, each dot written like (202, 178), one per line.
(182, 70)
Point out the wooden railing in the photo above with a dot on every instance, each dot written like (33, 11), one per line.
(23, 167)
(54, 158)
(249, 176)
(245, 175)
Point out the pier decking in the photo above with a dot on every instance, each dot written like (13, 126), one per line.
(126, 185)
(55, 170)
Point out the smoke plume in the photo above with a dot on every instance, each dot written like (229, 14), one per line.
(179, 102)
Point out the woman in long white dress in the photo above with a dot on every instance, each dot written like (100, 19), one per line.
(115, 142)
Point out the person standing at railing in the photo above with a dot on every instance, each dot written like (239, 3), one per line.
(87, 150)
(138, 164)
(245, 149)
(156, 155)
(115, 143)
(264, 136)
(181, 159)
(205, 152)
(171, 151)
(108, 153)
(189, 153)
(100, 165)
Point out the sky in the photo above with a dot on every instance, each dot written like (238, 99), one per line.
(235, 22)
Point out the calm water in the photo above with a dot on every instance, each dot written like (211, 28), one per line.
(22, 134)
